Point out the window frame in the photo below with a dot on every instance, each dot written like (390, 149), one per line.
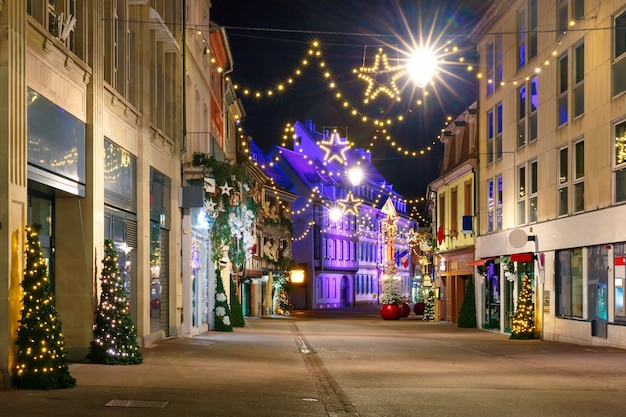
(499, 202)
(527, 30)
(619, 161)
(490, 136)
(578, 81)
(527, 113)
(578, 195)
(563, 89)
(490, 204)
(563, 181)
(564, 283)
(521, 195)
(619, 52)
(533, 197)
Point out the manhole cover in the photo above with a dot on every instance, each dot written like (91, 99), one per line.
(136, 404)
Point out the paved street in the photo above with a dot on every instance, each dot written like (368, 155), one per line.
(343, 363)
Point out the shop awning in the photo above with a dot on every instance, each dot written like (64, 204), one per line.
(479, 262)
(522, 257)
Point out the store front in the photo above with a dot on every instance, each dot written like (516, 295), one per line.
(159, 251)
(201, 294)
(120, 219)
(492, 296)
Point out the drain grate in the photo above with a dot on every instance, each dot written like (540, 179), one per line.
(136, 404)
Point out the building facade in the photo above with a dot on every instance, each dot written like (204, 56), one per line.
(452, 196)
(91, 94)
(552, 118)
(342, 256)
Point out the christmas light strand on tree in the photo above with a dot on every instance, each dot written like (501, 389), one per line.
(524, 318)
(429, 307)
(115, 335)
(41, 362)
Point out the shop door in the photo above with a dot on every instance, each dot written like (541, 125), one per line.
(345, 285)
(597, 290)
(491, 319)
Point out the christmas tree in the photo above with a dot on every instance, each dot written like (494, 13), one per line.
(222, 310)
(41, 362)
(524, 317)
(235, 306)
(282, 288)
(429, 307)
(467, 315)
(115, 335)
(390, 293)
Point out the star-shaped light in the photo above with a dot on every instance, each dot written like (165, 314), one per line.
(411, 236)
(226, 189)
(350, 204)
(381, 80)
(334, 149)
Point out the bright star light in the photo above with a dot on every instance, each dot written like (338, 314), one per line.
(422, 66)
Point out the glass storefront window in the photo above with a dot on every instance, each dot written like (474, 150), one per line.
(120, 177)
(597, 288)
(619, 279)
(569, 283)
(160, 221)
(56, 138)
(491, 318)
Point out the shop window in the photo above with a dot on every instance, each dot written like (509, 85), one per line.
(579, 176)
(569, 283)
(619, 54)
(619, 279)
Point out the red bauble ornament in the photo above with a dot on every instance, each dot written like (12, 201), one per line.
(390, 311)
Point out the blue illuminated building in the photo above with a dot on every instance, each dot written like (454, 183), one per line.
(341, 256)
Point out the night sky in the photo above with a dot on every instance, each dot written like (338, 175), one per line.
(269, 38)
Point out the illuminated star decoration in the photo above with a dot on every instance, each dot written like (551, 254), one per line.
(209, 205)
(226, 188)
(334, 148)
(381, 80)
(411, 236)
(350, 204)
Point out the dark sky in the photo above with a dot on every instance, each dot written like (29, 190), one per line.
(269, 38)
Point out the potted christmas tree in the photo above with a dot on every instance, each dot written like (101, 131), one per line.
(524, 317)
(41, 362)
(467, 315)
(390, 297)
(222, 309)
(114, 333)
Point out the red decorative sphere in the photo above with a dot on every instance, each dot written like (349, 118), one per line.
(405, 310)
(390, 311)
(418, 308)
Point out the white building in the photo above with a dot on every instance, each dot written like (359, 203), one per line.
(552, 183)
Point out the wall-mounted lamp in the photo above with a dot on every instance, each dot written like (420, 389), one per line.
(297, 276)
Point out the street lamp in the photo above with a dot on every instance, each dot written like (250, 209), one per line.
(335, 214)
(422, 66)
(355, 175)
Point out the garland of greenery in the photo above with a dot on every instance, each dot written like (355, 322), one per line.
(232, 218)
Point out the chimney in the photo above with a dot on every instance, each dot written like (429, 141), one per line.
(308, 123)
